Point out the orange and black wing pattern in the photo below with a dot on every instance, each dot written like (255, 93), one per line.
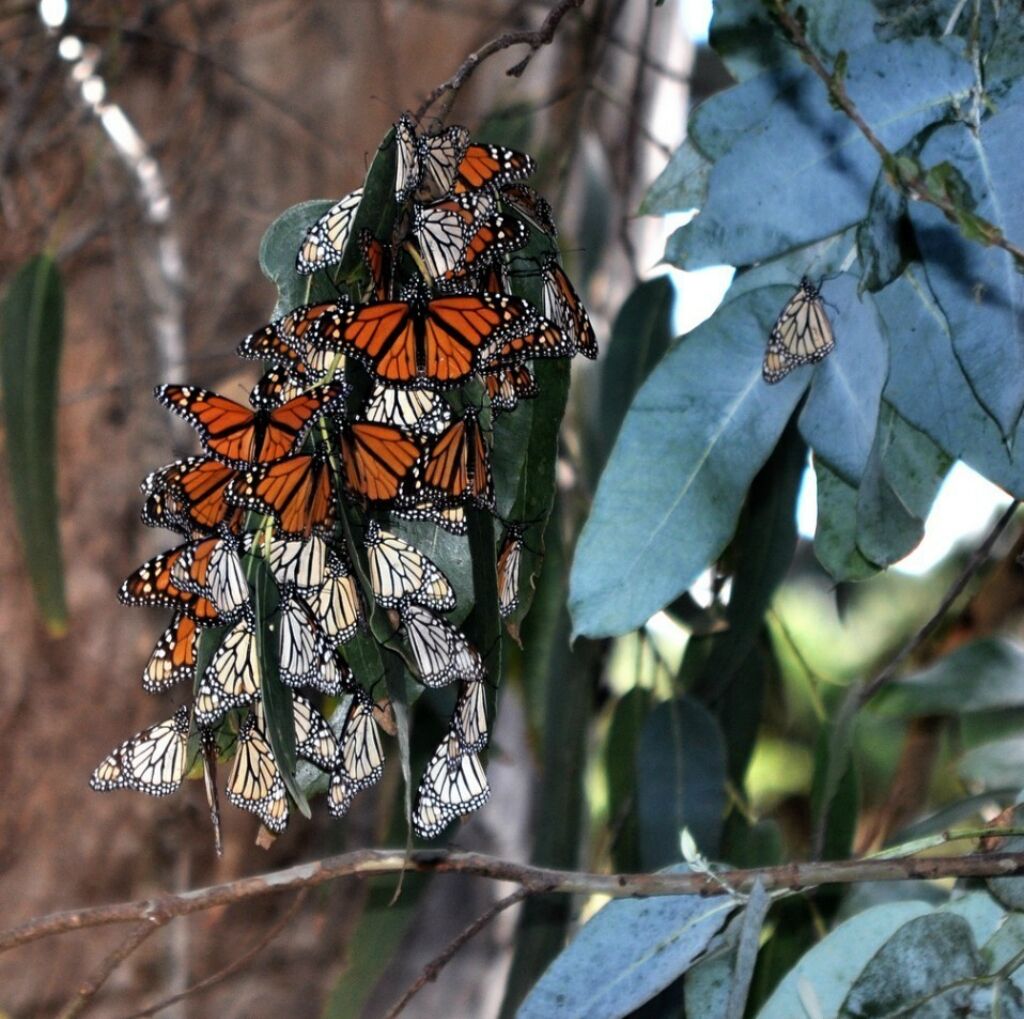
(508, 386)
(458, 467)
(563, 306)
(493, 237)
(240, 436)
(190, 495)
(174, 658)
(378, 459)
(490, 164)
(152, 584)
(377, 259)
(296, 492)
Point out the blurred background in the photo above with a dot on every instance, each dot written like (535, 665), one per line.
(147, 146)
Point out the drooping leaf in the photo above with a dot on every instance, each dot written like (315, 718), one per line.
(983, 675)
(830, 968)
(979, 289)
(805, 171)
(624, 734)
(652, 941)
(926, 955)
(31, 336)
(680, 781)
(699, 430)
(835, 532)
(839, 419)
(884, 237)
(834, 793)
(681, 186)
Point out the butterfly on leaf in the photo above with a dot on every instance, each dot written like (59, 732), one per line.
(453, 784)
(189, 495)
(469, 722)
(301, 642)
(301, 562)
(240, 436)
(507, 386)
(153, 761)
(442, 231)
(400, 573)
(562, 304)
(416, 410)
(378, 459)
(527, 202)
(458, 467)
(510, 557)
(211, 567)
(314, 740)
(802, 334)
(153, 584)
(232, 678)
(255, 784)
(324, 242)
(336, 604)
(173, 659)
(441, 651)
(494, 165)
(449, 517)
(426, 165)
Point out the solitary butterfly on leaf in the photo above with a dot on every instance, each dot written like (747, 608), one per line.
(802, 334)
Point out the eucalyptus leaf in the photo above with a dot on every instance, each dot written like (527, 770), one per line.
(835, 531)
(681, 186)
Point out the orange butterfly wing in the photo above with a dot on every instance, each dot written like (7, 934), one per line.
(296, 492)
(377, 459)
(459, 466)
(151, 584)
(490, 164)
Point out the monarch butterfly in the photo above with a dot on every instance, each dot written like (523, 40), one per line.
(314, 740)
(276, 387)
(530, 204)
(336, 604)
(324, 242)
(189, 495)
(510, 558)
(379, 263)
(441, 231)
(802, 334)
(506, 387)
(152, 584)
(211, 567)
(494, 237)
(300, 640)
(378, 459)
(417, 410)
(563, 306)
(469, 723)
(436, 344)
(174, 658)
(152, 761)
(426, 165)
(239, 436)
(295, 491)
(441, 652)
(490, 164)
(300, 562)
(269, 344)
(255, 784)
(400, 573)
(360, 754)
(450, 518)
(453, 784)
(334, 677)
(458, 467)
(233, 676)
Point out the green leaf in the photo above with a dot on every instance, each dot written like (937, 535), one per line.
(994, 765)
(680, 781)
(805, 171)
(834, 793)
(31, 336)
(904, 473)
(835, 532)
(983, 675)
(826, 973)
(681, 186)
(620, 749)
(924, 956)
(985, 317)
(699, 430)
(652, 941)
(840, 417)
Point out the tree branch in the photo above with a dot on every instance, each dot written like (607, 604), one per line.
(533, 880)
(898, 173)
(535, 39)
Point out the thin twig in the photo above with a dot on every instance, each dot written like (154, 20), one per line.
(534, 39)
(231, 968)
(434, 967)
(910, 184)
(978, 557)
(88, 990)
(534, 880)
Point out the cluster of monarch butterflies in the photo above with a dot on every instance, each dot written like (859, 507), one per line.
(366, 412)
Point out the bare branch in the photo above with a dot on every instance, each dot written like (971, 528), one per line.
(434, 967)
(910, 184)
(534, 39)
(88, 990)
(533, 880)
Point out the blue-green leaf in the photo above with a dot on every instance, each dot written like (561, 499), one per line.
(827, 972)
(980, 289)
(903, 475)
(926, 955)
(805, 171)
(650, 943)
(835, 532)
(680, 781)
(681, 186)
(700, 428)
(31, 336)
(839, 419)
(984, 675)
(278, 248)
